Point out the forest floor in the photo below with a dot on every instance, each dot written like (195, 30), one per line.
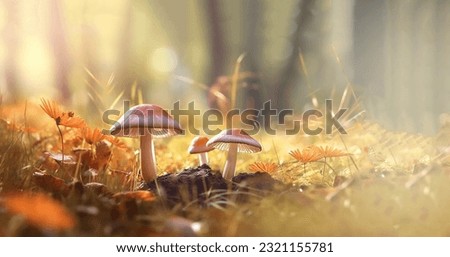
(368, 182)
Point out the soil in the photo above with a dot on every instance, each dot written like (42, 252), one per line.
(203, 186)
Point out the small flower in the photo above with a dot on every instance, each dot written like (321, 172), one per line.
(309, 154)
(69, 120)
(61, 118)
(268, 167)
(51, 108)
(329, 151)
(92, 136)
(115, 141)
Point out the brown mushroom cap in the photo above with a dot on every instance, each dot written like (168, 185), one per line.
(246, 144)
(146, 119)
(198, 145)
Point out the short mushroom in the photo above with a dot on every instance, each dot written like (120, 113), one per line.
(146, 121)
(198, 146)
(233, 141)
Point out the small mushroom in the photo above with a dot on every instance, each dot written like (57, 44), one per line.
(233, 141)
(198, 146)
(146, 121)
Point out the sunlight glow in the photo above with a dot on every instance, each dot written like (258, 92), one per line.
(164, 60)
(36, 67)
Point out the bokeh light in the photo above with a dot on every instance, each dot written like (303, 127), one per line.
(164, 60)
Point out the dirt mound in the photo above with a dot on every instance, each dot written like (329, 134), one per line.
(201, 184)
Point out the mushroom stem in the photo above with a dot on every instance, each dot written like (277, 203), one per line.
(148, 162)
(230, 164)
(203, 158)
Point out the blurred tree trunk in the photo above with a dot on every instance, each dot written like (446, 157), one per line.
(251, 87)
(315, 43)
(125, 76)
(424, 55)
(216, 39)
(369, 48)
(284, 87)
(441, 94)
(11, 39)
(89, 39)
(59, 47)
(410, 64)
(252, 12)
(402, 58)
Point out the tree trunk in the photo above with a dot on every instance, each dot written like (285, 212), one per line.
(11, 39)
(59, 47)
(216, 39)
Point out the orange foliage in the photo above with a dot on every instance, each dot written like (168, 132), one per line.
(40, 210)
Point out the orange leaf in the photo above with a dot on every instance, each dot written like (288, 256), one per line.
(137, 195)
(50, 183)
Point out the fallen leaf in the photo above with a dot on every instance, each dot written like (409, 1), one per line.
(50, 183)
(137, 195)
(68, 159)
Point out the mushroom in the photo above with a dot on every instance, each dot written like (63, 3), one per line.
(198, 146)
(146, 121)
(233, 141)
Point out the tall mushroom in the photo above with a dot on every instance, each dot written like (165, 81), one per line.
(233, 141)
(146, 121)
(198, 146)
